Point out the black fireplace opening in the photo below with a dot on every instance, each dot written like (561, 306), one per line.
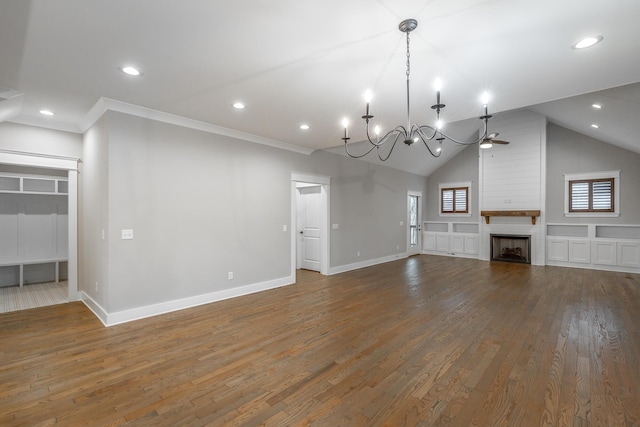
(511, 248)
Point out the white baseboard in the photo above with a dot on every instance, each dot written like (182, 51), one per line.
(456, 255)
(115, 318)
(96, 308)
(367, 263)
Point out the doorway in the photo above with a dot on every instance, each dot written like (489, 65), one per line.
(70, 167)
(414, 222)
(310, 223)
(308, 226)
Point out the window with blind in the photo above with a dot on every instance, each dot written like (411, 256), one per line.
(594, 193)
(454, 200)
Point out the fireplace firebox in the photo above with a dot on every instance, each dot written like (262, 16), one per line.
(511, 248)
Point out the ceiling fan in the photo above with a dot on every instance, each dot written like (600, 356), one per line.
(490, 139)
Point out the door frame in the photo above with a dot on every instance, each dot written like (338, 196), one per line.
(69, 164)
(418, 248)
(324, 183)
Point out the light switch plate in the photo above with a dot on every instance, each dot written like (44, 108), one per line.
(127, 234)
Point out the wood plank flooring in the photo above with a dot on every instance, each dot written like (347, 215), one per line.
(429, 341)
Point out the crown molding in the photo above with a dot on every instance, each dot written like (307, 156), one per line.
(105, 104)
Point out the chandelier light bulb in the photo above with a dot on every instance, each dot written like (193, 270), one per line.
(439, 124)
(485, 98)
(368, 96)
(345, 122)
(437, 85)
(377, 130)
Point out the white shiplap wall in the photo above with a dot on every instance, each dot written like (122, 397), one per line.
(512, 177)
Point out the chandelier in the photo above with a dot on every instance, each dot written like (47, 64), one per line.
(412, 132)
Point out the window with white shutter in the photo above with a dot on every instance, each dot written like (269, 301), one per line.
(592, 194)
(454, 200)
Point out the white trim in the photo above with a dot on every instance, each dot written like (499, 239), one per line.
(615, 174)
(118, 317)
(418, 248)
(96, 308)
(325, 236)
(105, 104)
(37, 160)
(468, 185)
(367, 263)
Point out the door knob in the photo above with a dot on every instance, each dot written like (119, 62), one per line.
(301, 232)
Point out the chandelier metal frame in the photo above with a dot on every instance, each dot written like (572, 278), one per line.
(412, 132)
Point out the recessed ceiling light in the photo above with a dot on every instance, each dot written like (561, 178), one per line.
(595, 126)
(596, 106)
(47, 112)
(238, 105)
(304, 126)
(132, 71)
(587, 42)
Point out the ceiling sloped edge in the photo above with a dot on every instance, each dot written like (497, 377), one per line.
(105, 104)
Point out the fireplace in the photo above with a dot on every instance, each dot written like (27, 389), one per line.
(511, 248)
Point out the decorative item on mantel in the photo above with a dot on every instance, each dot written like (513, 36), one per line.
(414, 132)
(532, 213)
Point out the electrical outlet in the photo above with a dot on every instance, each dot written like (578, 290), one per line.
(230, 275)
(127, 234)
(358, 253)
(96, 286)
(397, 247)
(335, 226)
(284, 227)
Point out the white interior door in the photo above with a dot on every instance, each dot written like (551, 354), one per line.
(309, 223)
(414, 222)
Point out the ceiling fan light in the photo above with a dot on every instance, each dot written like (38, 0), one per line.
(486, 144)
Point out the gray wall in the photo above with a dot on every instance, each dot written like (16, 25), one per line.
(202, 205)
(463, 167)
(572, 152)
(93, 191)
(31, 139)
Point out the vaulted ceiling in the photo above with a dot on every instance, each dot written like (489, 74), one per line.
(294, 62)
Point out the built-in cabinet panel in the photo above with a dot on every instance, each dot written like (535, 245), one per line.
(451, 238)
(471, 244)
(457, 243)
(604, 252)
(429, 241)
(608, 247)
(628, 254)
(8, 229)
(557, 249)
(580, 251)
(442, 242)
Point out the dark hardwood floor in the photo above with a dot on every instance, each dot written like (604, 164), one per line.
(421, 341)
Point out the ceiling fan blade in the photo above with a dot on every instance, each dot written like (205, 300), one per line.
(492, 135)
(497, 141)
